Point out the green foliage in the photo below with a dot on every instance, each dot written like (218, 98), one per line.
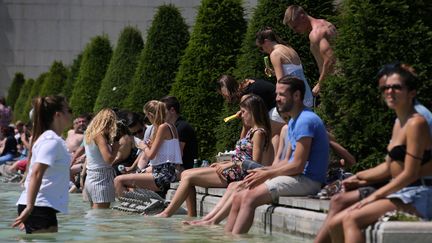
(55, 81)
(72, 76)
(227, 133)
(250, 62)
(14, 89)
(21, 101)
(370, 35)
(116, 84)
(212, 49)
(96, 57)
(271, 13)
(166, 40)
(35, 90)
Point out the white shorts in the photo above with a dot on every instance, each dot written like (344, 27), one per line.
(99, 185)
(291, 186)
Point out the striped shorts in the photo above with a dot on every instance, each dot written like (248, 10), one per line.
(99, 185)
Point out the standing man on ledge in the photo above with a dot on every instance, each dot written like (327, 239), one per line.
(321, 33)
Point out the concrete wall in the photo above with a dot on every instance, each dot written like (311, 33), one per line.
(34, 33)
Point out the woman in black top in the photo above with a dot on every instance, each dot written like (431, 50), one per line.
(8, 146)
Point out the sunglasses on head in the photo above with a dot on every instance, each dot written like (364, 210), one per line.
(392, 86)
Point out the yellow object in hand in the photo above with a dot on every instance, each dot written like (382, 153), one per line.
(227, 119)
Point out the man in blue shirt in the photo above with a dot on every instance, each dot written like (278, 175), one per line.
(302, 175)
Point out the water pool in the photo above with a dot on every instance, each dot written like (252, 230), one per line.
(83, 224)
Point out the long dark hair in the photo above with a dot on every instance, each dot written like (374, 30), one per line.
(269, 34)
(44, 109)
(256, 106)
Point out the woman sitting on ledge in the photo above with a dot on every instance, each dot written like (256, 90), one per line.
(163, 151)
(409, 153)
(254, 146)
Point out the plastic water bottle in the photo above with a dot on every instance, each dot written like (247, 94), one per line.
(195, 164)
(205, 163)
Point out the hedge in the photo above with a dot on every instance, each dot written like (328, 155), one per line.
(96, 57)
(21, 101)
(55, 81)
(116, 84)
(370, 35)
(166, 40)
(211, 51)
(35, 91)
(72, 76)
(14, 89)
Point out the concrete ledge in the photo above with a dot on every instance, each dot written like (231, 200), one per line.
(304, 216)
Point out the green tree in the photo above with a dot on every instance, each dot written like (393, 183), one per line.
(166, 40)
(250, 63)
(370, 35)
(96, 57)
(21, 101)
(14, 89)
(35, 90)
(116, 84)
(214, 44)
(55, 81)
(72, 76)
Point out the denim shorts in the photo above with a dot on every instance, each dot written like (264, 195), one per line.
(420, 197)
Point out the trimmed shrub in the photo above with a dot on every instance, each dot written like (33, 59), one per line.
(14, 89)
(21, 101)
(116, 84)
(250, 62)
(55, 81)
(72, 76)
(96, 57)
(166, 40)
(214, 44)
(370, 35)
(35, 90)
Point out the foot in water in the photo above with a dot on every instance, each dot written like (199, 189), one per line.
(198, 222)
(162, 215)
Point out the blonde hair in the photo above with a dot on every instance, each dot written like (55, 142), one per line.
(292, 13)
(158, 111)
(105, 122)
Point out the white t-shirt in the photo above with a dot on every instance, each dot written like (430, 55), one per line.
(50, 149)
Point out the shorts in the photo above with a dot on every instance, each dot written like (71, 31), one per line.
(164, 175)
(366, 191)
(99, 185)
(22, 165)
(239, 172)
(420, 197)
(291, 186)
(40, 218)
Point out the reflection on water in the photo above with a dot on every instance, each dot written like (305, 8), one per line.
(85, 225)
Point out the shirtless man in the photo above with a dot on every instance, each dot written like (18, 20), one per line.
(321, 33)
(75, 136)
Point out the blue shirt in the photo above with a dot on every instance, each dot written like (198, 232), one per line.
(308, 124)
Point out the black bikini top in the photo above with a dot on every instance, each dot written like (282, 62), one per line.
(398, 153)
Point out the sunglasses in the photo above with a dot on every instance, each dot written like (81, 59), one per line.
(393, 86)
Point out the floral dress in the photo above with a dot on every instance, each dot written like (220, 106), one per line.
(243, 149)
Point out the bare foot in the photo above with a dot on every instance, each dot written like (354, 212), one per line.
(198, 222)
(162, 215)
